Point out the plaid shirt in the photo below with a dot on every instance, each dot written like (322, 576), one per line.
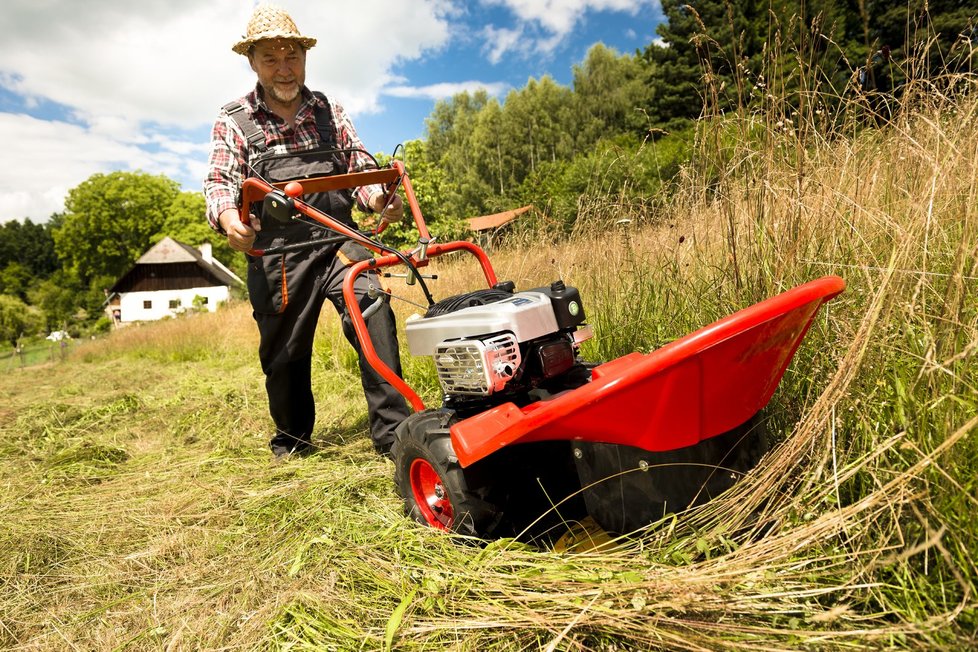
(225, 170)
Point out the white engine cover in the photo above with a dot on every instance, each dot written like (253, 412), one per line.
(527, 315)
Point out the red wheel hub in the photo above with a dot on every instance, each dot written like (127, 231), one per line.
(430, 495)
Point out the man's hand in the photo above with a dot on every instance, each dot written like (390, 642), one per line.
(241, 236)
(393, 213)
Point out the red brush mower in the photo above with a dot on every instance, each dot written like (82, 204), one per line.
(526, 427)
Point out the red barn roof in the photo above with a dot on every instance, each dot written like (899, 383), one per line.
(486, 222)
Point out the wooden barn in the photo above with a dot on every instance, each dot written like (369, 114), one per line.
(169, 279)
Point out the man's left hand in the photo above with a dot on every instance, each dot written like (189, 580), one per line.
(393, 213)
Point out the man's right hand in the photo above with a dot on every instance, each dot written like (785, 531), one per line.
(241, 236)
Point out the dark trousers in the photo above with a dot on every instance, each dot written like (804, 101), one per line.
(296, 284)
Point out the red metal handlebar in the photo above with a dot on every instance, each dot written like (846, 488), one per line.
(254, 190)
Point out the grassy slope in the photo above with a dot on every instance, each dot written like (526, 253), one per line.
(140, 510)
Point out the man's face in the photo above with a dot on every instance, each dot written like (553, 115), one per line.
(281, 68)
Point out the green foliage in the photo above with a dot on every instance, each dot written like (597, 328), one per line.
(17, 320)
(56, 297)
(618, 171)
(15, 279)
(926, 37)
(486, 150)
(450, 131)
(538, 122)
(428, 181)
(186, 222)
(29, 245)
(713, 53)
(102, 325)
(67, 301)
(546, 144)
(610, 93)
(26, 256)
(110, 220)
(702, 40)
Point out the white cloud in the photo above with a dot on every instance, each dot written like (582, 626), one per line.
(499, 41)
(445, 90)
(116, 74)
(361, 41)
(558, 18)
(42, 159)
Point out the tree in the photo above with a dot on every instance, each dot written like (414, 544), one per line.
(538, 124)
(695, 59)
(610, 90)
(924, 37)
(110, 220)
(449, 146)
(450, 122)
(17, 319)
(429, 184)
(28, 245)
(58, 298)
(492, 157)
(677, 85)
(15, 279)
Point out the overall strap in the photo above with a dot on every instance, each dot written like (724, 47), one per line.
(254, 136)
(324, 122)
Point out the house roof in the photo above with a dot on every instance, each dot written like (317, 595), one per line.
(486, 222)
(169, 251)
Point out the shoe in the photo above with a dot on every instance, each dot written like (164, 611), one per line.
(285, 447)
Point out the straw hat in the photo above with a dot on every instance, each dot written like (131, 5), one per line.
(269, 21)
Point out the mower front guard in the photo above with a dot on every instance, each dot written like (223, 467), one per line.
(694, 388)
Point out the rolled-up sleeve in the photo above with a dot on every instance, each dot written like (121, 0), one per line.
(224, 169)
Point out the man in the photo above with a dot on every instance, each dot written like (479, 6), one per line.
(282, 131)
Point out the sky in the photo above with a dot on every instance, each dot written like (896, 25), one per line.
(96, 86)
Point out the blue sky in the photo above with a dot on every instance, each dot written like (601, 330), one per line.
(106, 85)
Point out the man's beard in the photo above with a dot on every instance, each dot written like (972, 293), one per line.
(287, 98)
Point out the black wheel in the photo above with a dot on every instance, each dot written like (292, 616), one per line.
(436, 490)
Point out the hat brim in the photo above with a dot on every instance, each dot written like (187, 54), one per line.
(242, 46)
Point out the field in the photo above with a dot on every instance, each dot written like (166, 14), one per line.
(140, 508)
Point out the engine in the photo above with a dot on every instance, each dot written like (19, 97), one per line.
(496, 343)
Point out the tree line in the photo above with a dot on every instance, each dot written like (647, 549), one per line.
(618, 133)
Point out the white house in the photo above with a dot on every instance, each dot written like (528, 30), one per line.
(167, 280)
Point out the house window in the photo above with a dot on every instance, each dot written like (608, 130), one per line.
(205, 300)
(147, 305)
(174, 304)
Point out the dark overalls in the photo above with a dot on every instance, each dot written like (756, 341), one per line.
(287, 292)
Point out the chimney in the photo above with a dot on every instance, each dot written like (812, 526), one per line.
(206, 252)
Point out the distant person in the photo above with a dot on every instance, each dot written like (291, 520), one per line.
(281, 131)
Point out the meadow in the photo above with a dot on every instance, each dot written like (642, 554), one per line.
(140, 509)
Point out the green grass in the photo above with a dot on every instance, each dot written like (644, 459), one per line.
(33, 354)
